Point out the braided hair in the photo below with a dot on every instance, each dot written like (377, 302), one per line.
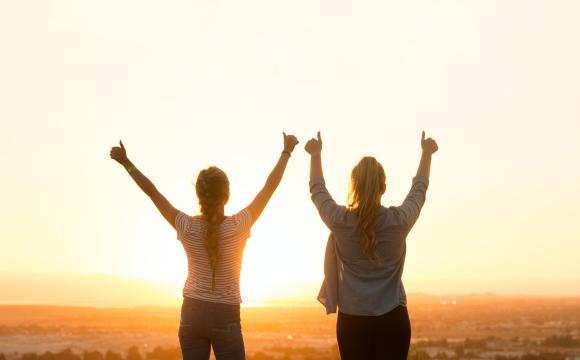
(213, 190)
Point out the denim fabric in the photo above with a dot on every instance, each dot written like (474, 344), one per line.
(205, 325)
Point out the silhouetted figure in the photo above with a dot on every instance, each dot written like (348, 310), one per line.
(365, 255)
(214, 243)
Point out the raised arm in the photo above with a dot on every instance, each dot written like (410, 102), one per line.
(429, 147)
(327, 208)
(314, 148)
(411, 207)
(261, 200)
(119, 154)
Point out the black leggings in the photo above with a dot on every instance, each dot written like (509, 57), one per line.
(374, 337)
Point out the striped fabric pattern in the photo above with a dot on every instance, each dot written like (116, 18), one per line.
(233, 234)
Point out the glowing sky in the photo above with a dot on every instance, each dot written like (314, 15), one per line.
(189, 83)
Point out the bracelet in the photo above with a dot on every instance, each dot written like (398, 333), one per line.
(287, 152)
(132, 169)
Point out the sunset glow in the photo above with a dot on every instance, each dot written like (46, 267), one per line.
(188, 84)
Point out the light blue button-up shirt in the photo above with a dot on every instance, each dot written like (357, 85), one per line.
(352, 281)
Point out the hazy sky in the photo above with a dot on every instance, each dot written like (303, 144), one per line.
(189, 83)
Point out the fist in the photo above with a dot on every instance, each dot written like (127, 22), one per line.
(314, 146)
(428, 145)
(119, 154)
(290, 142)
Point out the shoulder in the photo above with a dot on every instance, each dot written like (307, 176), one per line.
(181, 220)
(344, 217)
(241, 220)
(243, 216)
(391, 216)
(184, 222)
(387, 213)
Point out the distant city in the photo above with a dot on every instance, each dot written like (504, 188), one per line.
(457, 327)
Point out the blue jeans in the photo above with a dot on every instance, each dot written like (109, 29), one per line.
(204, 325)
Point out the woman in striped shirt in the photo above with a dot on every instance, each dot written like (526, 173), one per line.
(214, 243)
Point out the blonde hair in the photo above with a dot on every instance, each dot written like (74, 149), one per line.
(213, 190)
(368, 183)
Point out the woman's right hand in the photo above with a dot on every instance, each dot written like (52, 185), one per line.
(314, 146)
(428, 145)
(119, 154)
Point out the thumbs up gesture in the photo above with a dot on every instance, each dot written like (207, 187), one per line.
(314, 146)
(290, 142)
(428, 145)
(119, 154)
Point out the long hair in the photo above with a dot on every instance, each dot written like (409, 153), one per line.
(367, 183)
(213, 190)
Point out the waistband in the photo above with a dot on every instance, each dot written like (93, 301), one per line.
(203, 304)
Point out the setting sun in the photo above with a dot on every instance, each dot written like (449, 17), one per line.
(101, 259)
(508, 148)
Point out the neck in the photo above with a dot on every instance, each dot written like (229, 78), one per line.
(219, 213)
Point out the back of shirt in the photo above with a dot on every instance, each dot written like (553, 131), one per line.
(355, 283)
(233, 234)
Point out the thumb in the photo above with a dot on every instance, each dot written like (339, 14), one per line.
(121, 143)
(423, 136)
(318, 135)
(283, 133)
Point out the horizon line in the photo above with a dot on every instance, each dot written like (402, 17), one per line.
(279, 303)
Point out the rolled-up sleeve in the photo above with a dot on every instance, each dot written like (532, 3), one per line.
(411, 207)
(327, 208)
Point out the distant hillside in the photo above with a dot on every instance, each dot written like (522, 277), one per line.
(85, 290)
(113, 291)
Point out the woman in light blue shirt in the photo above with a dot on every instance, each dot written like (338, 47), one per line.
(365, 256)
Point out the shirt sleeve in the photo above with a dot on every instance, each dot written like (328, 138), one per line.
(329, 211)
(411, 207)
(181, 224)
(243, 220)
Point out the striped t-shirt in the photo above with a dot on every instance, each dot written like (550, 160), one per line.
(233, 233)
